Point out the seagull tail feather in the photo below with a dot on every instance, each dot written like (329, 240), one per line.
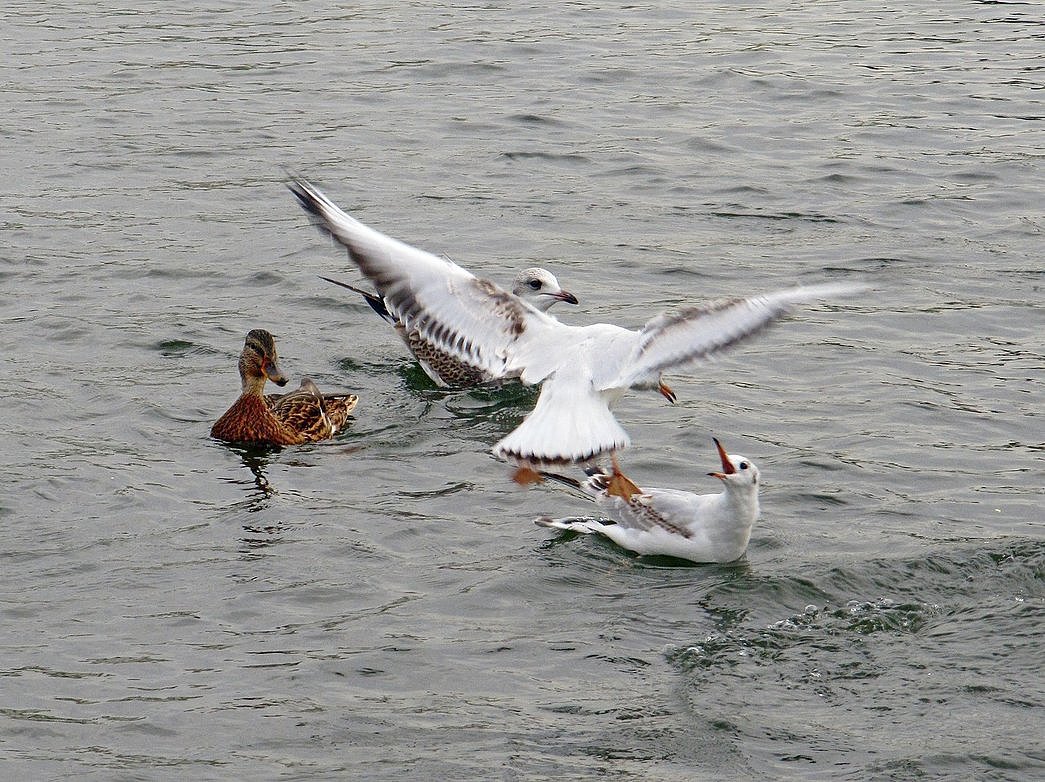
(567, 425)
(573, 483)
(586, 527)
(377, 304)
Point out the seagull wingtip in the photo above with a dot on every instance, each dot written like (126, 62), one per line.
(829, 290)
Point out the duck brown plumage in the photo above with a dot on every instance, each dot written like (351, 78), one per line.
(302, 416)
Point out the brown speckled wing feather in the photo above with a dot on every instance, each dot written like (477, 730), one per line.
(311, 414)
(339, 407)
(470, 320)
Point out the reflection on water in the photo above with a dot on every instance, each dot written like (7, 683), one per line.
(260, 537)
(256, 459)
(259, 491)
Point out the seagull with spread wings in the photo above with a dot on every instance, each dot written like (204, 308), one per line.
(582, 370)
(536, 286)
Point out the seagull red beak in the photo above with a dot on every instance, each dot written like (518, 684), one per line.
(565, 296)
(727, 465)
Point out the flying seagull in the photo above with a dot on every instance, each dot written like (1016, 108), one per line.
(538, 287)
(582, 370)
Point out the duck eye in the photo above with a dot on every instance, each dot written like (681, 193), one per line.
(743, 465)
(535, 284)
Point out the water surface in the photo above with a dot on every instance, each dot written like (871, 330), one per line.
(381, 606)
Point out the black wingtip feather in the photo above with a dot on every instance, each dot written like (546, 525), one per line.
(310, 202)
(298, 187)
(377, 304)
(561, 479)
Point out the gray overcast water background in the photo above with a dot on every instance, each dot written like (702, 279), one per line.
(381, 606)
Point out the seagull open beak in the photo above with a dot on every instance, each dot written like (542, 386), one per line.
(727, 465)
(565, 296)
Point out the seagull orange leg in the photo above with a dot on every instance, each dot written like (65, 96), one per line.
(666, 392)
(620, 485)
(526, 476)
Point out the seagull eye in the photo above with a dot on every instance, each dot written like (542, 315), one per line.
(743, 465)
(535, 284)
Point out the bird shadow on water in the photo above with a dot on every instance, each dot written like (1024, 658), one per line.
(259, 489)
(259, 493)
(497, 407)
(468, 400)
(492, 410)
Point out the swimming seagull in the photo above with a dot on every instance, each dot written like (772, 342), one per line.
(538, 287)
(582, 370)
(670, 522)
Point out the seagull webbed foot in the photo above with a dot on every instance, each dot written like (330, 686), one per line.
(666, 392)
(526, 476)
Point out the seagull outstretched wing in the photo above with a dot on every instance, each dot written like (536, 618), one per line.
(583, 370)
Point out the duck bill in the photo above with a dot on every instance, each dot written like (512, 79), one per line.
(727, 465)
(273, 372)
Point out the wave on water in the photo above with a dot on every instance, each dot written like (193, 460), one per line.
(953, 639)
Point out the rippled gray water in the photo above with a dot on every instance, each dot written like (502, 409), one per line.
(381, 606)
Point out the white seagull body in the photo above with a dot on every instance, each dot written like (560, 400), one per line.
(669, 522)
(582, 370)
(537, 287)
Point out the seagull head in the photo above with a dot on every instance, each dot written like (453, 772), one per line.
(539, 288)
(738, 472)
